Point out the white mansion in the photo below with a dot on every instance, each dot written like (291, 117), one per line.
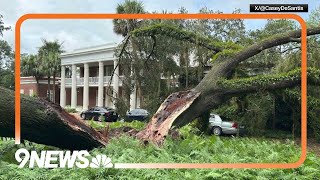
(91, 70)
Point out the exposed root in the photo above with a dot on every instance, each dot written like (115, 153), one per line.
(161, 122)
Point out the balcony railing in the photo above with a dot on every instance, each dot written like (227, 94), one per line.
(93, 81)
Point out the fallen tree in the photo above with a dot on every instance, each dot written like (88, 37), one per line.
(46, 123)
(182, 107)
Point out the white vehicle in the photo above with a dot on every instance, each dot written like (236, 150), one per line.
(221, 125)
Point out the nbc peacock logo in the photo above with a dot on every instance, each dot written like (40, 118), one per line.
(101, 161)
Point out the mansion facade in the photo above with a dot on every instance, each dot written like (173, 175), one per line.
(86, 78)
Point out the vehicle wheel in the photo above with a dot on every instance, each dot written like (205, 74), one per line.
(83, 116)
(217, 131)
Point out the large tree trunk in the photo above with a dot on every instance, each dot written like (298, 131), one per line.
(182, 107)
(46, 123)
(168, 112)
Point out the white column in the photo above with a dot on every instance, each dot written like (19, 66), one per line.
(86, 87)
(100, 87)
(74, 87)
(134, 93)
(115, 80)
(133, 97)
(63, 87)
(138, 100)
(107, 98)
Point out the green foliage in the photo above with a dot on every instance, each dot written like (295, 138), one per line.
(122, 107)
(49, 54)
(7, 78)
(229, 110)
(314, 18)
(224, 53)
(253, 111)
(113, 125)
(97, 125)
(190, 149)
(2, 26)
(277, 134)
(124, 26)
(296, 96)
(138, 125)
(30, 66)
(202, 123)
(314, 121)
(262, 81)
(50, 61)
(175, 32)
(8, 148)
(293, 97)
(6, 64)
(70, 110)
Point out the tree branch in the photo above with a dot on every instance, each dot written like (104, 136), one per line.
(152, 51)
(176, 33)
(254, 49)
(125, 43)
(268, 82)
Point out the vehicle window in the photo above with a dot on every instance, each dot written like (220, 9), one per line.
(225, 118)
(107, 108)
(142, 111)
(97, 109)
(134, 111)
(103, 109)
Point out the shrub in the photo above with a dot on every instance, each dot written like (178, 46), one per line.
(70, 110)
(192, 148)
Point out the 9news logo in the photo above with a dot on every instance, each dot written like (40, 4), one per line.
(61, 159)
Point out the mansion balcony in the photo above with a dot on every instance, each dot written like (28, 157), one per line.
(93, 81)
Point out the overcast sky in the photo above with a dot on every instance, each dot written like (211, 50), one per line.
(81, 33)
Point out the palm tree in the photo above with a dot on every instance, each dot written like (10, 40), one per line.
(49, 54)
(30, 67)
(124, 26)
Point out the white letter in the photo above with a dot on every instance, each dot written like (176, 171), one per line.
(66, 158)
(50, 158)
(82, 158)
(19, 159)
(35, 158)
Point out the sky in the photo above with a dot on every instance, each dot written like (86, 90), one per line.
(82, 33)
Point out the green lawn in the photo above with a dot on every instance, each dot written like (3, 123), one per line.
(191, 148)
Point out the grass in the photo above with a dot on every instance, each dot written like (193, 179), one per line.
(138, 125)
(191, 148)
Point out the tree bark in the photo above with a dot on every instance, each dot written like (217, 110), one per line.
(168, 112)
(209, 93)
(46, 123)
